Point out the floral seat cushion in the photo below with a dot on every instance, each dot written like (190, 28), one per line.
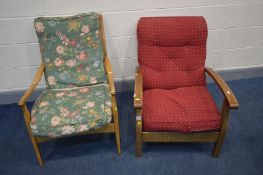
(71, 50)
(70, 111)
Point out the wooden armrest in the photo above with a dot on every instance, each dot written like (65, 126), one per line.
(227, 92)
(138, 89)
(33, 85)
(109, 73)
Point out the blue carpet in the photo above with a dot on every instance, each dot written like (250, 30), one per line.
(96, 154)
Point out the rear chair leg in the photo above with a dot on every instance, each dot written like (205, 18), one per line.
(117, 134)
(138, 144)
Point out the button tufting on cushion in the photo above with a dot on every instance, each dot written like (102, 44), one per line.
(172, 51)
(171, 54)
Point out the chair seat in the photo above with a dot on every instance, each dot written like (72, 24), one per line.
(186, 109)
(60, 112)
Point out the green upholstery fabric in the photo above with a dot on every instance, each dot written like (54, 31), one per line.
(70, 111)
(77, 98)
(71, 50)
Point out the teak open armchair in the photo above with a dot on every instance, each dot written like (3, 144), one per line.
(171, 99)
(80, 95)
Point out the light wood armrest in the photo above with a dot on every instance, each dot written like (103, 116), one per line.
(33, 85)
(109, 73)
(138, 89)
(227, 92)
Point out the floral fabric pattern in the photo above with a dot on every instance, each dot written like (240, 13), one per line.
(69, 111)
(71, 50)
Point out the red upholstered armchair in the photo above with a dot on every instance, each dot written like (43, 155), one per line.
(171, 99)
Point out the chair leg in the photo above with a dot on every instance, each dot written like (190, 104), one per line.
(138, 144)
(117, 134)
(218, 146)
(138, 133)
(116, 124)
(37, 151)
(223, 129)
(32, 138)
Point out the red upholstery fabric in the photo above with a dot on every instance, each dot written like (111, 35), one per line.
(172, 51)
(184, 109)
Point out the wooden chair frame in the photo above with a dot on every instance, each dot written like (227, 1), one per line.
(112, 127)
(229, 102)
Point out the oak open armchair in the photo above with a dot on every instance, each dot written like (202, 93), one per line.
(80, 94)
(171, 100)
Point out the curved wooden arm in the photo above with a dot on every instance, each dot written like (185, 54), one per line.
(138, 89)
(33, 85)
(109, 75)
(227, 92)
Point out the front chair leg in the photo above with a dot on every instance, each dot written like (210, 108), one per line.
(116, 124)
(218, 145)
(32, 138)
(222, 133)
(37, 151)
(138, 133)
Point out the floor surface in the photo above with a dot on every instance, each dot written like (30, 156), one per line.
(96, 154)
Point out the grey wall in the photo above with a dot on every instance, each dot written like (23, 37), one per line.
(235, 38)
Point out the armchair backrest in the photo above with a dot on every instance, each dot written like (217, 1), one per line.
(172, 51)
(71, 50)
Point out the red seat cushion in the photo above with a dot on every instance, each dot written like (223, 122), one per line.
(172, 51)
(186, 109)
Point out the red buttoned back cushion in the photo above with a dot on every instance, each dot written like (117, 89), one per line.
(172, 51)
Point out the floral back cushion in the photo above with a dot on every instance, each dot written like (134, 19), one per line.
(71, 50)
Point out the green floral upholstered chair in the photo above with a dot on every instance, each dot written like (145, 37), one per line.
(80, 96)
